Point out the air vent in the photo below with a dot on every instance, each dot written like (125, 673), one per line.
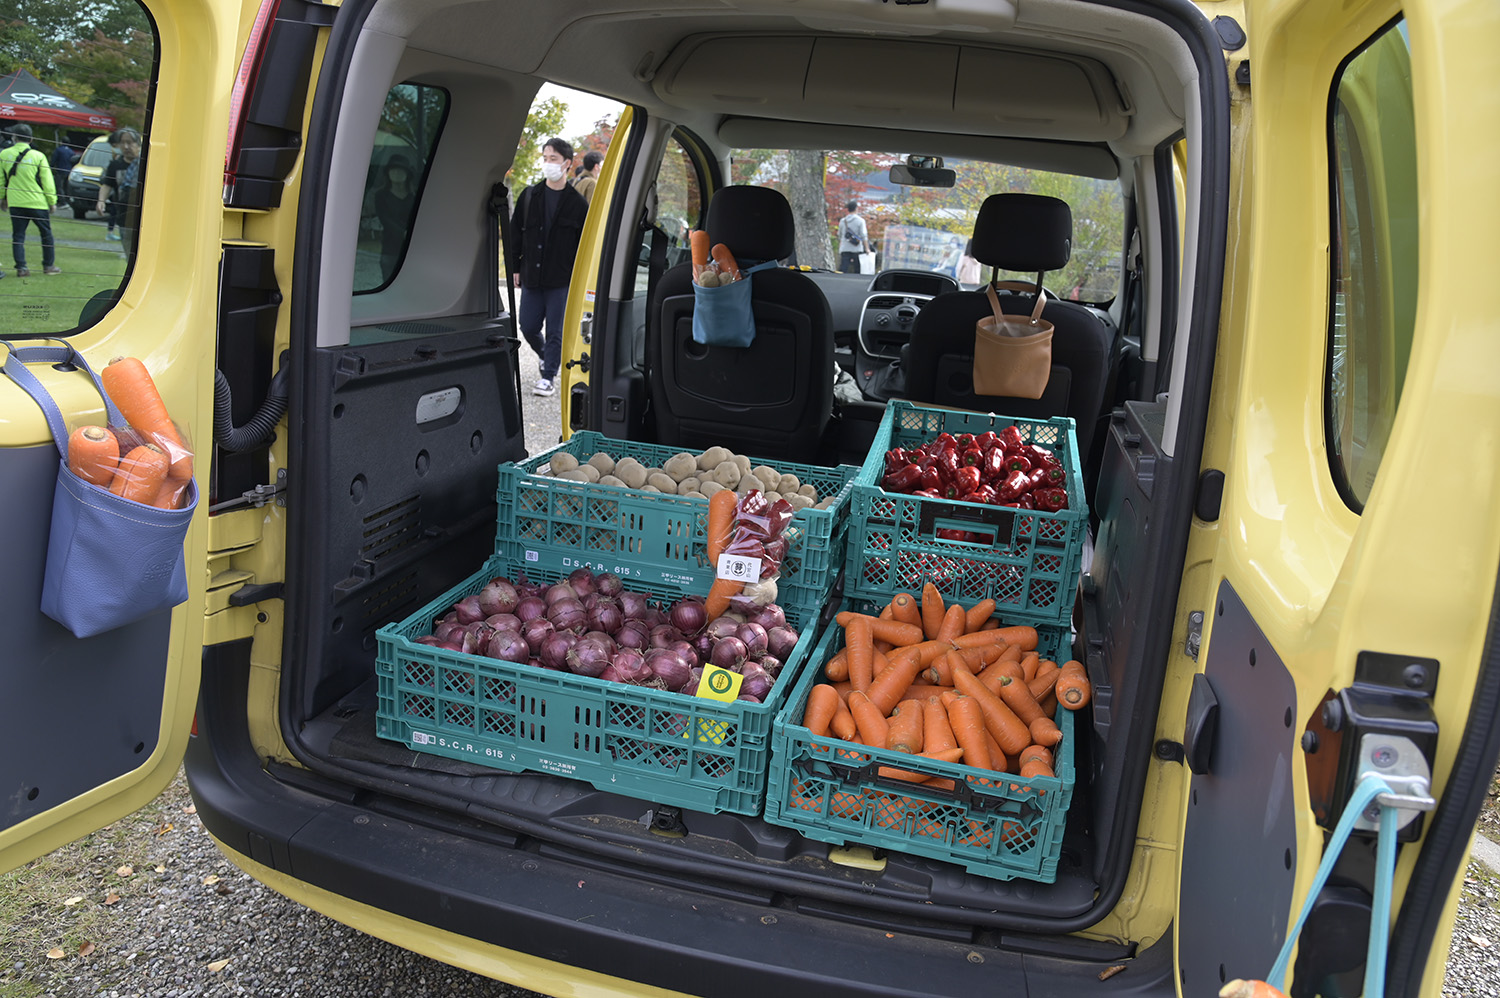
(389, 602)
(884, 302)
(390, 529)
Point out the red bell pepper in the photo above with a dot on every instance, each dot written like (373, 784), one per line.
(902, 479)
(987, 439)
(947, 464)
(1040, 455)
(945, 441)
(1049, 476)
(993, 468)
(965, 480)
(1017, 461)
(927, 494)
(1014, 486)
(985, 494)
(932, 480)
(895, 458)
(964, 441)
(1012, 439)
(1051, 500)
(972, 457)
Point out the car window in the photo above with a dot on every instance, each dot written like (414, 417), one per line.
(77, 87)
(1372, 139)
(409, 126)
(928, 228)
(679, 210)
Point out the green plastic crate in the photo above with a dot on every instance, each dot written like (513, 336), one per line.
(701, 754)
(656, 538)
(994, 825)
(1029, 566)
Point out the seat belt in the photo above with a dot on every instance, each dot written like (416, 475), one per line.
(655, 266)
(499, 248)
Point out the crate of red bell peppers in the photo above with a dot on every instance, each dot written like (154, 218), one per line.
(981, 506)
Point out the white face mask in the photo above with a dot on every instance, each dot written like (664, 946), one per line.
(552, 171)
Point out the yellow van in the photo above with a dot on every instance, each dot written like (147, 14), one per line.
(83, 179)
(1279, 379)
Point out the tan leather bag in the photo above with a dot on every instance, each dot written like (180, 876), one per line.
(1012, 353)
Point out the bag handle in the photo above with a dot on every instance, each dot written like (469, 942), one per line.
(1036, 311)
(15, 368)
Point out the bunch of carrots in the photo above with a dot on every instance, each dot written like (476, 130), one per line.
(713, 266)
(146, 461)
(948, 683)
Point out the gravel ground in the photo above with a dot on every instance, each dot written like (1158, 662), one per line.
(149, 908)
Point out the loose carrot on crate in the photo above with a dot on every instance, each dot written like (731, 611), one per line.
(905, 733)
(937, 733)
(1017, 696)
(872, 725)
(93, 454)
(889, 688)
(130, 386)
(967, 721)
(1074, 690)
(858, 643)
(932, 610)
(843, 725)
(952, 625)
(894, 631)
(1001, 721)
(822, 705)
(140, 474)
(1249, 989)
(904, 608)
(1021, 635)
(976, 615)
(837, 667)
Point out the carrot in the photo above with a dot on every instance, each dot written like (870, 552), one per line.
(861, 653)
(822, 705)
(891, 772)
(698, 240)
(141, 474)
(1031, 752)
(1041, 686)
(894, 631)
(1019, 634)
(719, 595)
(904, 608)
(1073, 687)
(937, 733)
(1249, 989)
(720, 522)
(871, 723)
(889, 687)
(905, 732)
(726, 262)
(932, 610)
(976, 615)
(952, 625)
(886, 613)
(1036, 767)
(998, 674)
(1030, 662)
(1017, 696)
(967, 722)
(1044, 731)
(843, 725)
(93, 454)
(993, 624)
(129, 384)
(1001, 721)
(837, 667)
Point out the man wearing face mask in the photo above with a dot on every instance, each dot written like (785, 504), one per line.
(547, 224)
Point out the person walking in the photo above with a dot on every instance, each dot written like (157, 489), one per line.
(548, 223)
(28, 191)
(393, 204)
(593, 163)
(119, 189)
(63, 158)
(854, 239)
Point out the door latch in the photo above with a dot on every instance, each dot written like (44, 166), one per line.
(582, 363)
(256, 497)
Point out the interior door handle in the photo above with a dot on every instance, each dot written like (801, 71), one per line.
(1202, 725)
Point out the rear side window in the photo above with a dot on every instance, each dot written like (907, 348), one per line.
(1372, 151)
(409, 126)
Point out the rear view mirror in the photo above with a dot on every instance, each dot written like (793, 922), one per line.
(922, 171)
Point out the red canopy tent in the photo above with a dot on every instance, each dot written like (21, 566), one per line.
(25, 98)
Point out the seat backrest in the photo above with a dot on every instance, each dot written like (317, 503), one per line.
(1027, 233)
(771, 399)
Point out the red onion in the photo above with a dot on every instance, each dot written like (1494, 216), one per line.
(508, 646)
(633, 634)
(611, 674)
(429, 639)
(504, 621)
(703, 646)
(747, 697)
(605, 616)
(536, 631)
(695, 676)
(468, 610)
(663, 635)
(729, 654)
(722, 627)
(609, 584)
(445, 629)
(771, 664)
(757, 682)
(589, 657)
(631, 665)
(769, 616)
(780, 641)
(498, 596)
(530, 607)
(567, 615)
(583, 582)
(654, 617)
(608, 639)
(560, 591)
(754, 637)
(525, 587)
(554, 650)
(480, 630)
(455, 643)
(633, 605)
(685, 651)
(668, 667)
(688, 616)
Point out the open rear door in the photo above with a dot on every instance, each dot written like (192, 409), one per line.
(1340, 590)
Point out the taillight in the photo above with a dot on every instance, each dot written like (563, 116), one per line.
(244, 85)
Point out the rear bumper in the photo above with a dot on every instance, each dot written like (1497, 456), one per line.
(487, 885)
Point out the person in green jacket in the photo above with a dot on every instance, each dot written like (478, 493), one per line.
(27, 188)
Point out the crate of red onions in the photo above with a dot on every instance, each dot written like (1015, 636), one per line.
(981, 506)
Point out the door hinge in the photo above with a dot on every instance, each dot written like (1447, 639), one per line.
(256, 497)
(1194, 640)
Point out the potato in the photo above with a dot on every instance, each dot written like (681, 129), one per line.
(712, 458)
(561, 462)
(798, 501)
(708, 487)
(612, 480)
(649, 488)
(680, 466)
(688, 484)
(768, 475)
(727, 474)
(824, 504)
(708, 279)
(749, 482)
(809, 490)
(603, 462)
(631, 472)
(589, 472)
(662, 482)
(695, 495)
(761, 593)
(572, 475)
(772, 496)
(788, 484)
(742, 461)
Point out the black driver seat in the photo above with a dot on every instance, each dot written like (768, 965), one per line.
(772, 399)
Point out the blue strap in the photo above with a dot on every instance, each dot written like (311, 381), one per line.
(15, 368)
(1364, 794)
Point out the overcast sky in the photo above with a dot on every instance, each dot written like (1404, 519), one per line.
(583, 109)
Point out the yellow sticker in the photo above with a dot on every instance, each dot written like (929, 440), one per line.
(720, 684)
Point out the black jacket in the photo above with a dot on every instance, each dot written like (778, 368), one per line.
(544, 258)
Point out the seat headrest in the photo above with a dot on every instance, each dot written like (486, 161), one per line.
(1025, 232)
(754, 222)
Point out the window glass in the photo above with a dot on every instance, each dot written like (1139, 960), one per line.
(928, 228)
(679, 210)
(1372, 135)
(409, 126)
(72, 159)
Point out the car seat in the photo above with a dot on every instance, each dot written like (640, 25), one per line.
(1018, 232)
(771, 399)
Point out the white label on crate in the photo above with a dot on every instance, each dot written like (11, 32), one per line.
(738, 568)
(532, 556)
(436, 405)
(422, 738)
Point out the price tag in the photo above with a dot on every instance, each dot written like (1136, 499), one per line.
(720, 684)
(739, 568)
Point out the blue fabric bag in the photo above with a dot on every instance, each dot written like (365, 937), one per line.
(722, 316)
(110, 560)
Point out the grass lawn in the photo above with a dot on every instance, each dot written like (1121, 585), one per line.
(42, 304)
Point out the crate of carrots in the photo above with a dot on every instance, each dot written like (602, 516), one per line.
(936, 730)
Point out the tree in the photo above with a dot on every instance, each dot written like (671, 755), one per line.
(596, 141)
(805, 191)
(110, 74)
(545, 121)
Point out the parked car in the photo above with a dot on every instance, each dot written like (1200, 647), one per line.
(1279, 381)
(84, 178)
